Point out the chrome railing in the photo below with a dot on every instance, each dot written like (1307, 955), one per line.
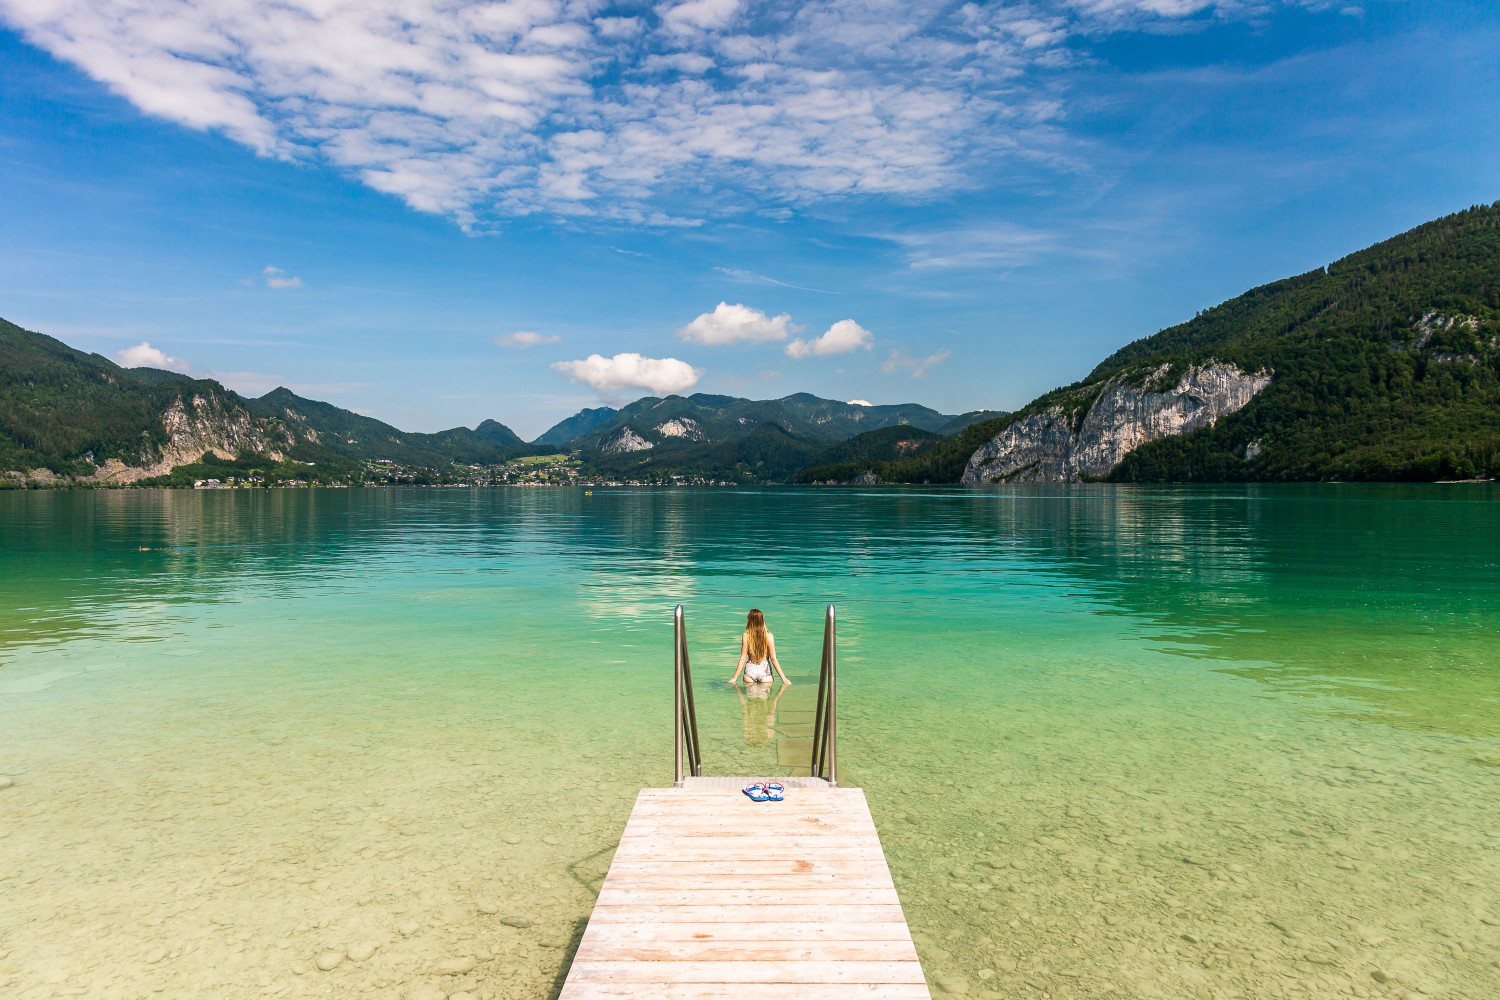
(685, 714)
(825, 758)
(687, 755)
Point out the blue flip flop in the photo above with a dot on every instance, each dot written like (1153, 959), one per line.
(757, 792)
(774, 791)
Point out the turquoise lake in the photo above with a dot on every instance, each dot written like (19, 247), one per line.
(1232, 742)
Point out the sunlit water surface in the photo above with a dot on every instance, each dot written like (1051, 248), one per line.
(1228, 742)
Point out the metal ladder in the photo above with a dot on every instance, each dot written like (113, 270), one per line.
(687, 752)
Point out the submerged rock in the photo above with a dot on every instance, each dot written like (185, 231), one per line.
(456, 966)
(363, 951)
(330, 960)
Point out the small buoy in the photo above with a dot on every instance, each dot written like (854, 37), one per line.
(588, 493)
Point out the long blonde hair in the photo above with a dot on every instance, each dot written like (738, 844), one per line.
(757, 642)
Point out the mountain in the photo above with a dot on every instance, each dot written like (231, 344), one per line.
(576, 426)
(965, 420)
(71, 416)
(678, 421)
(353, 436)
(1384, 365)
(767, 454)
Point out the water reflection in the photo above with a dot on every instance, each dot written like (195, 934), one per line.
(1117, 741)
(758, 712)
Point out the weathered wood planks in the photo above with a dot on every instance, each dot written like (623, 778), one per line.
(713, 897)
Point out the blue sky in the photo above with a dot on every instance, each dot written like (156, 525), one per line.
(959, 205)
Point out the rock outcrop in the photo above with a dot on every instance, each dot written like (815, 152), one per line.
(681, 427)
(1044, 447)
(203, 425)
(625, 441)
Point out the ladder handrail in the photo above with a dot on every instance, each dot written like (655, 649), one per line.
(684, 711)
(825, 715)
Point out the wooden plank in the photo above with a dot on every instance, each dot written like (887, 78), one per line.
(692, 896)
(656, 933)
(811, 973)
(747, 991)
(747, 951)
(743, 914)
(710, 896)
(811, 864)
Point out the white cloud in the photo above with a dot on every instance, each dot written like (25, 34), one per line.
(997, 245)
(277, 278)
(492, 109)
(700, 15)
(899, 361)
(729, 324)
(143, 355)
(659, 376)
(523, 339)
(842, 337)
(860, 402)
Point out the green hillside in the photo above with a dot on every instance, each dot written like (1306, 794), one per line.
(69, 412)
(766, 454)
(64, 410)
(576, 426)
(678, 421)
(1386, 366)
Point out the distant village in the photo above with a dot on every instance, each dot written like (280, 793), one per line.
(534, 470)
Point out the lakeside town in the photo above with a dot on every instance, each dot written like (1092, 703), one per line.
(530, 470)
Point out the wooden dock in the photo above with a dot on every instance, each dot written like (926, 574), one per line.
(714, 897)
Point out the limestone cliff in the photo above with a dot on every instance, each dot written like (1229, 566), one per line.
(199, 425)
(1045, 447)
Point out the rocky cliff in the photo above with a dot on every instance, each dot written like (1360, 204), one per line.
(1045, 447)
(200, 426)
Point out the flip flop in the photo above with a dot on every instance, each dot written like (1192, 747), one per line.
(757, 792)
(774, 791)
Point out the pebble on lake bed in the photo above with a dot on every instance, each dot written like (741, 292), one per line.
(329, 960)
(363, 950)
(456, 966)
(953, 984)
(487, 906)
(408, 927)
(5, 782)
(516, 920)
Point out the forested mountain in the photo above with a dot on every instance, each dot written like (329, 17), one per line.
(680, 421)
(72, 415)
(576, 426)
(1384, 365)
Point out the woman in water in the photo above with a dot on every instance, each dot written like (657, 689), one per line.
(757, 652)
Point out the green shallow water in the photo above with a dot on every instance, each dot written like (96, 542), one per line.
(1218, 742)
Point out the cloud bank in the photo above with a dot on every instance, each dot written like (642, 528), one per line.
(522, 339)
(143, 355)
(900, 361)
(277, 278)
(840, 338)
(658, 376)
(494, 109)
(729, 324)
